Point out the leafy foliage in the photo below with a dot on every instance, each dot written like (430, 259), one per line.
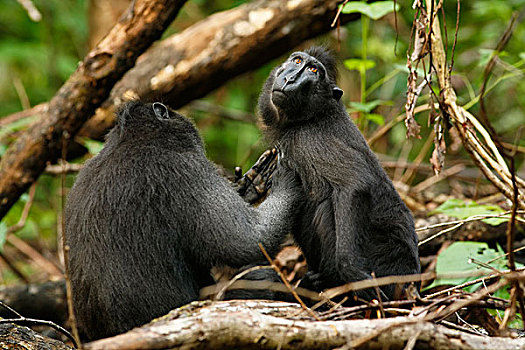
(460, 257)
(465, 257)
(463, 210)
(374, 10)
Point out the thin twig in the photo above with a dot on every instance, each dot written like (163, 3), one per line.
(338, 13)
(10, 309)
(467, 284)
(65, 247)
(32, 11)
(504, 255)
(287, 284)
(47, 265)
(432, 180)
(442, 232)
(378, 292)
(32, 321)
(25, 212)
(237, 277)
(455, 41)
(13, 267)
(64, 168)
(470, 219)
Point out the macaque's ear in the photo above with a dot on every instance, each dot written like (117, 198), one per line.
(337, 93)
(161, 111)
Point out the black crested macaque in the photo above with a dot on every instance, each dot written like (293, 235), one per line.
(354, 222)
(149, 216)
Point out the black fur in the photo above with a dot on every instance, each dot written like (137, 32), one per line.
(354, 222)
(149, 216)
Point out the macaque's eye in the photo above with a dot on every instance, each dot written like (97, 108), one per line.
(297, 60)
(312, 69)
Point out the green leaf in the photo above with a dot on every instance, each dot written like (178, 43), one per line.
(375, 118)
(375, 10)
(366, 107)
(3, 235)
(463, 210)
(94, 147)
(358, 64)
(456, 259)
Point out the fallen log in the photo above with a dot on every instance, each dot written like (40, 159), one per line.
(271, 325)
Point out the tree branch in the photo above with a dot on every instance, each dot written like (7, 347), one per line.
(193, 63)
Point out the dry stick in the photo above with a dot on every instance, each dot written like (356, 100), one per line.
(478, 150)
(407, 176)
(21, 92)
(287, 284)
(25, 212)
(504, 255)
(35, 322)
(443, 313)
(440, 314)
(460, 117)
(492, 302)
(433, 304)
(65, 247)
(470, 219)
(32, 11)
(34, 255)
(412, 340)
(498, 165)
(518, 148)
(442, 232)
(338, 13)
(483, 264)
(431, 180)
(500, 185)
(238, 276)
(25, 248)
(461, 328)
(487, 74)
(486, 136)
(67, 168)
(223, 112)
(260, 285)
(455, 41)
(511, 226)
(13, 268)
(385, 128)
(22, 319)
(380, 301)
(402, 279)
(511, 310)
